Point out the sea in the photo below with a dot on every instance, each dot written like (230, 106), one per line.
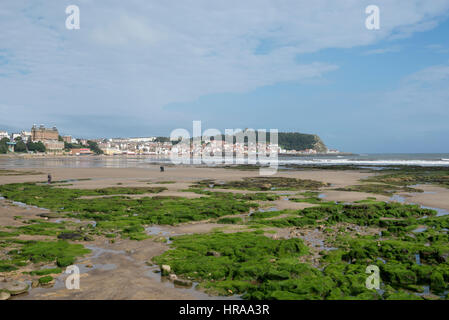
(371, 160)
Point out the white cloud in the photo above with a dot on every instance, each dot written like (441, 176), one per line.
(419, 104)
(382, 51)
(134, 57)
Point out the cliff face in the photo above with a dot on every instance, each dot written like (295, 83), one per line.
(319, 145)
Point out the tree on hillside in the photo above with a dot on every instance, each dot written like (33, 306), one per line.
(35, 146)
(93, 146)
(3, 146)
(20, 145)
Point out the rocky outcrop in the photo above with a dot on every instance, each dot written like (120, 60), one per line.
(4, 295)
(165, 269)
(14, 287)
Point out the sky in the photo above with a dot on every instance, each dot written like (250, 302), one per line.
(147, 67)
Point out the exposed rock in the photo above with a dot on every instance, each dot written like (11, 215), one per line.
(430, 296)
(183, 282)
(14, 287)
(213, 253)
(160, 239)
(265, 186)
(35, 284)
(88, 238)
(70, 236)
(165, 269)
(89, 265)
(4, 295)
(149, 262)
(172, 277)
(444, 257)
(48, 284)
(49, 215)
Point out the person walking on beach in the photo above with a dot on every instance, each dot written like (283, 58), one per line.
(49, 178)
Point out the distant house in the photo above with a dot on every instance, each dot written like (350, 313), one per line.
(53, 145)
(48, 136)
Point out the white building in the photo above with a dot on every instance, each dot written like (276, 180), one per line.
(4, 134)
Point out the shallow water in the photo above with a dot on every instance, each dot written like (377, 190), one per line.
(191, 290)
(401, 199)
(159, 231)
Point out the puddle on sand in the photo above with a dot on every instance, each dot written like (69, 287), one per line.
(420, 229)
(268, 209)
(381, 259)
(59, 220)
(200, 295)
(418, 259)
(60, 280)
(27, 206)
(401, 199)
(159, 231)
(440, 212)
(314, 238)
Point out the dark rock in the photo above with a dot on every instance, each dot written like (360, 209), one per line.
(70, 236)
(4, 295)
(213, 253)
(182, 282)
(49, 215)
(14, 287)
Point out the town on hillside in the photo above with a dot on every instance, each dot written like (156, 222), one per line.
(44, 140)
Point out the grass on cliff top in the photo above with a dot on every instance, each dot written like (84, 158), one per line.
(264, 184)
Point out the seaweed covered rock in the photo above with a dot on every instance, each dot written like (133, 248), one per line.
(398, 274)
(47, 281)
(4, 295)
(165, 269)
(437, 283)
(70, 236)
(182, 282)
(14, 287)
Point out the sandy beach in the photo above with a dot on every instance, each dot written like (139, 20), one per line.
(119, 270)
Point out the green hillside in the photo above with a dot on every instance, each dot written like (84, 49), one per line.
(300, 141)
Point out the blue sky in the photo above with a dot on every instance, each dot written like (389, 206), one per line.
(140, 68)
